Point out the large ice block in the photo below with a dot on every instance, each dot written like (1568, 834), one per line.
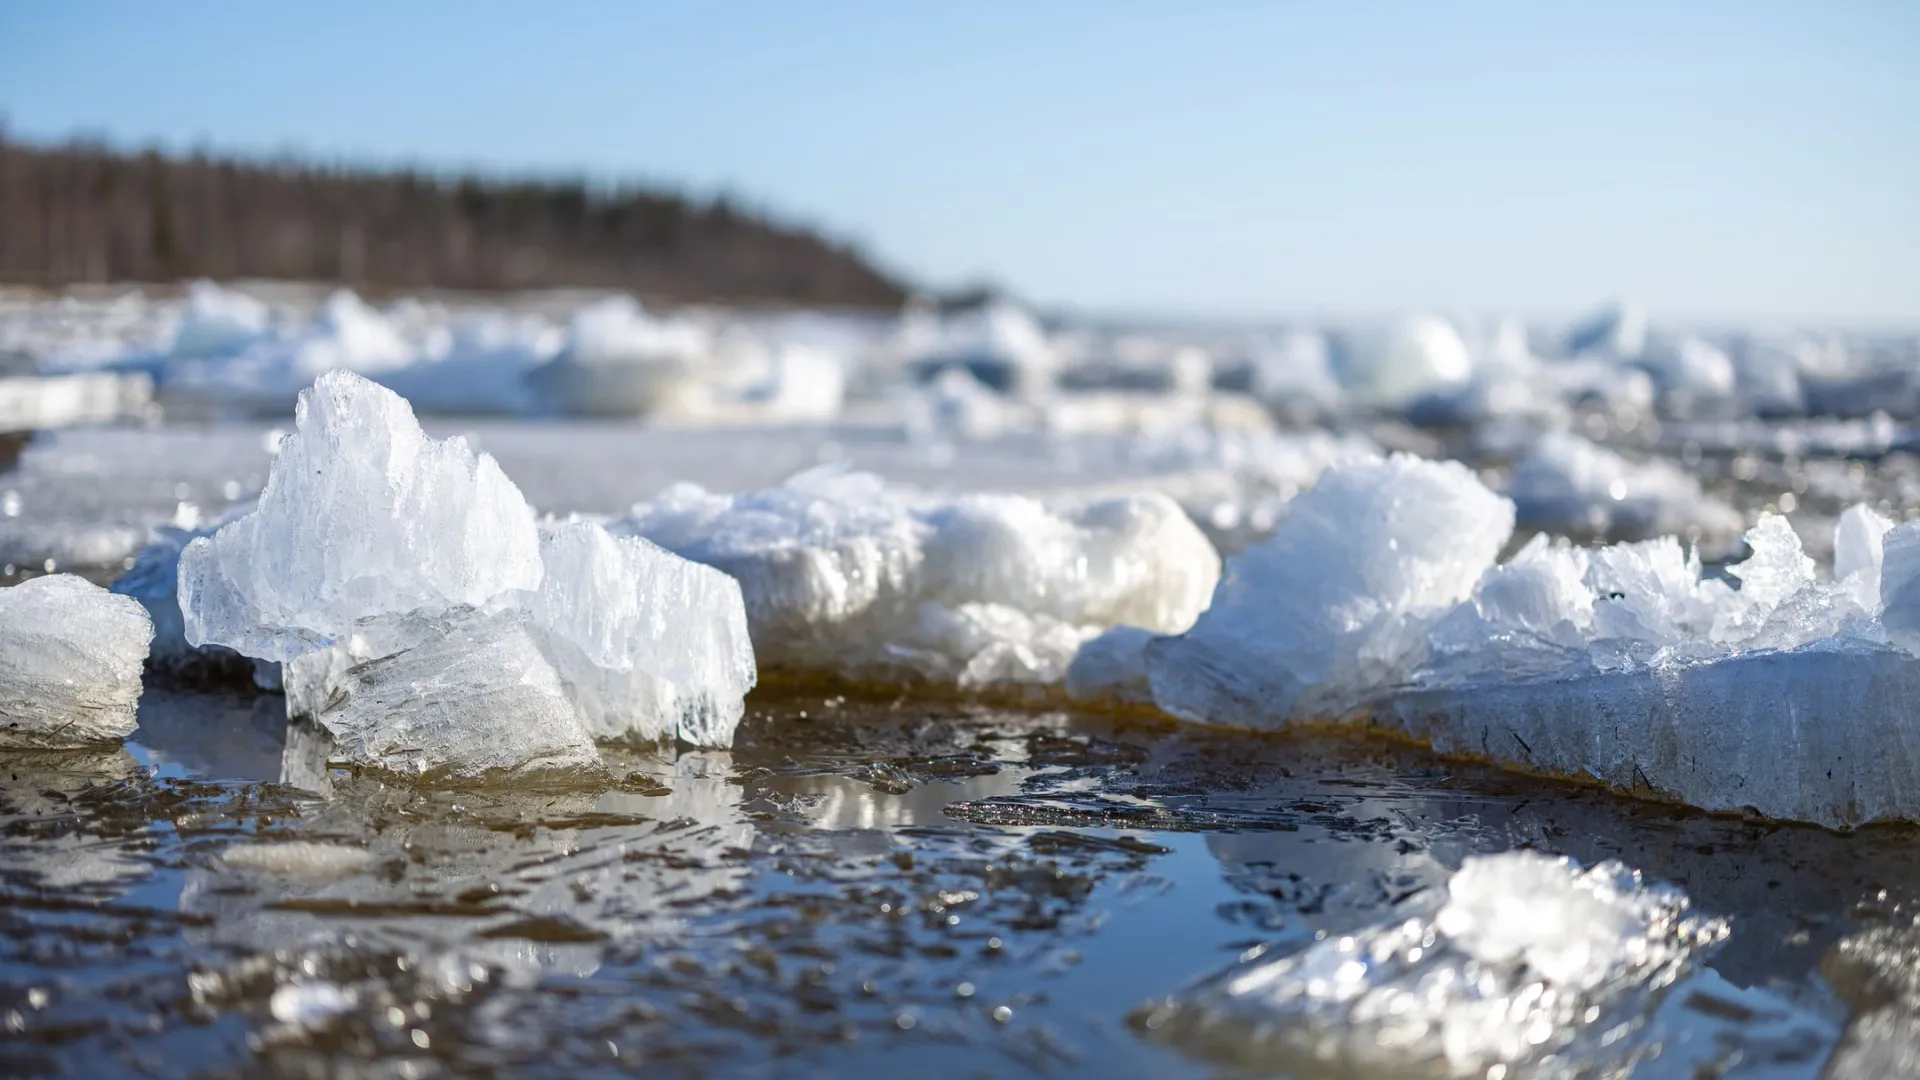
(362, 515)
(1529, 961)
(426, 625)
(1338, 602)
(649, 645)
(844, 577)
(70, 659)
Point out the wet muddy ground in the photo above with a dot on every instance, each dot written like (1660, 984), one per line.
(859, 887)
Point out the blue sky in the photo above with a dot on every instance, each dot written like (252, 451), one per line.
(1736, 159)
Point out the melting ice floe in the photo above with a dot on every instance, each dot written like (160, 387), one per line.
(70, 657)
(1531, 967)
(845, 577)
(405, 585)
(1377, 601)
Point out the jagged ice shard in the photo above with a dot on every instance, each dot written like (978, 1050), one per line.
(70, 660)
(1530, 967)
(425, 625)
(1377, 603)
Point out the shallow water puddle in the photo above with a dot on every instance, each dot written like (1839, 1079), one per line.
(896, 888)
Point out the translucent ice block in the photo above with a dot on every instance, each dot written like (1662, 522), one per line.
(70, 660)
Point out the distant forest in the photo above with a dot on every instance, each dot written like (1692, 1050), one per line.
(82, 213)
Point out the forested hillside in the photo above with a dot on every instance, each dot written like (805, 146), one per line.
(81, 213)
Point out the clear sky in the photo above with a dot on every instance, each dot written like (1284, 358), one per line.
(1732, 159)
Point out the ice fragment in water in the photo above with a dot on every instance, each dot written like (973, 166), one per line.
(1529, 964)
(1337, 603)
(845, 577)
(70, 660)
(362, 515)
(649, 645)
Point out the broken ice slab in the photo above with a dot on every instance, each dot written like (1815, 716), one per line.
(70, 659)
(1530, 961)
(1783, 692)
(650, 645)
(363, 515)
(1823, 734)
(458, 697)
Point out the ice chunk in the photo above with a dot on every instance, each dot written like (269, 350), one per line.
(1900, 586)
(264, 372)
(1618, 330)
(1691, 368)
(217, 321)
(70, 658)
(998, 344)
(1529, 960)
(650, 645)
(620, 361)
(299, 859)
(1415, 356)
(1566, 484)
(363, 514)
(1295, 371)
(1859, 544)
(1338, 602)
(1622, 665)
(450, 697)
(843, 576)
